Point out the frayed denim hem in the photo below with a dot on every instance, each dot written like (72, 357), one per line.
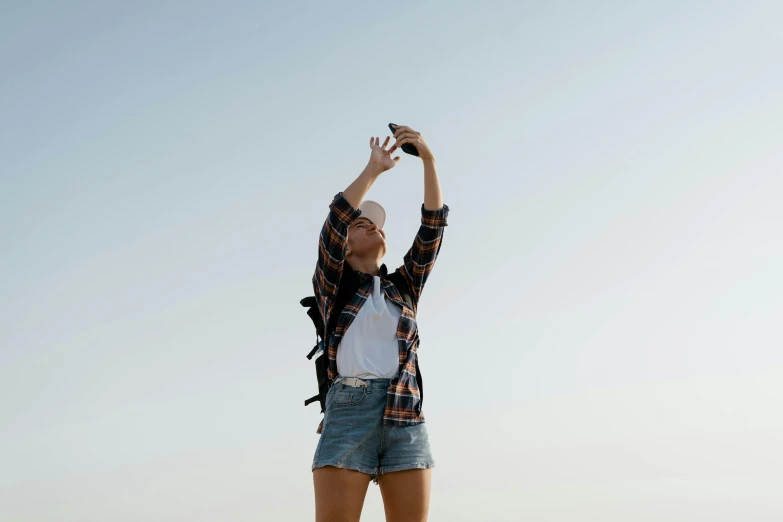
(403, 467)
(342, 465)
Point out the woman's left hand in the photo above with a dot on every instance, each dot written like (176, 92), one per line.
(405, 135)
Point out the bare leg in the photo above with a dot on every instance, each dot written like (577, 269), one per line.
(339, 494)
(406, 495)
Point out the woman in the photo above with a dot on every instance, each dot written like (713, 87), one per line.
(373, 427)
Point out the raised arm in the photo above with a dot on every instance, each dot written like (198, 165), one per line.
(420, 259)
(342, 212)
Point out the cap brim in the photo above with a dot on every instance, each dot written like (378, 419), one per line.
(374, 212)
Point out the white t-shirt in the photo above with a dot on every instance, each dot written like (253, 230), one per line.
(369, 349)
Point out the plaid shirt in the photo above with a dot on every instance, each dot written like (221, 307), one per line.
(403, 405)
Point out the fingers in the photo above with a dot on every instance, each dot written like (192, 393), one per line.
(406, 135)
(402, 138)
(377, 142)
(396, 159)
(403, 141)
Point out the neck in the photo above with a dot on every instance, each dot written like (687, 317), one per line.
(367, 266)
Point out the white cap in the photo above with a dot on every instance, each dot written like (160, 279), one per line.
(374, 212)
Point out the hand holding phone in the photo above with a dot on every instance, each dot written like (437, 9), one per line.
(407, 147)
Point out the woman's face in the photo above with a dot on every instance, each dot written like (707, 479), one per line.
(364, 238)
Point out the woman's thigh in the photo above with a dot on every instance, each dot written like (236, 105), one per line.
(339, 494)
(406, 495)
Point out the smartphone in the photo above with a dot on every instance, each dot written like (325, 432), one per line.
(410, 149)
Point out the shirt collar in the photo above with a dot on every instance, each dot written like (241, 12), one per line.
(364, 277)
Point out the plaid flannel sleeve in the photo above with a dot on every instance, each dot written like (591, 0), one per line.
(331, 252)
(420, 259)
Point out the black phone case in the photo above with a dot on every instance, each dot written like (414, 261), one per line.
(410, 149)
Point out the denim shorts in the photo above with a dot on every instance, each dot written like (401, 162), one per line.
(354, 436)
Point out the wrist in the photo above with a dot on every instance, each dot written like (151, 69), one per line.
(430, 160)
(373, 170)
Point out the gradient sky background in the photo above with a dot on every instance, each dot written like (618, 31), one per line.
(602, 332)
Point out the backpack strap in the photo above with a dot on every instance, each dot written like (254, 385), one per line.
(311, 303)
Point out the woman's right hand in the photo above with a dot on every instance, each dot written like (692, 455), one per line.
(380, 157)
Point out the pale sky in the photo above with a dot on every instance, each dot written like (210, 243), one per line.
(601, 336)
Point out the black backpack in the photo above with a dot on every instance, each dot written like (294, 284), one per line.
(349, 284)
